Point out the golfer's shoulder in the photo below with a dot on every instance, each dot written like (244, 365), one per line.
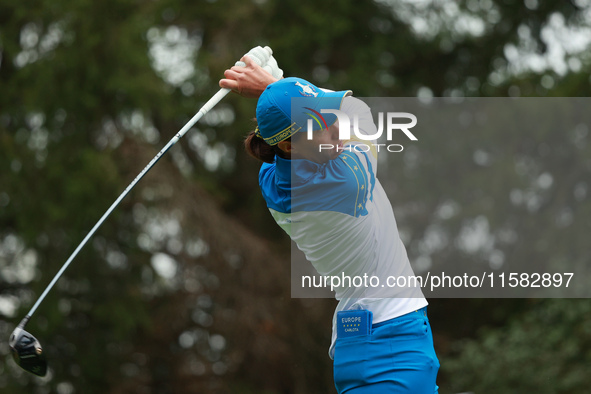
(349, 172)
(267, 175)
(274, 188)
(354, 106)
(352, 161)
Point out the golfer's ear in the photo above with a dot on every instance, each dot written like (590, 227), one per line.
(285, 146)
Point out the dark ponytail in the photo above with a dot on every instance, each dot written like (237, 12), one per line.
(259, 149)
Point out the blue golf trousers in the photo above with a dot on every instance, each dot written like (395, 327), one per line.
(397, 357)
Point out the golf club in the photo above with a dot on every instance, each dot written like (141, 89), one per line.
(26, 349)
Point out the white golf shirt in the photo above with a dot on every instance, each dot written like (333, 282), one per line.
(339, 215)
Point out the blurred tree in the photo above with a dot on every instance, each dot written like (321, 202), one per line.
(545, 350)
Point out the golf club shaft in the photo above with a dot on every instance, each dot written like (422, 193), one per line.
(205, 109)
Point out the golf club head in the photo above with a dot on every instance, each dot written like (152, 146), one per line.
(27, 352)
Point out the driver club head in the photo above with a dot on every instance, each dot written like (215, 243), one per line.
(27, 352)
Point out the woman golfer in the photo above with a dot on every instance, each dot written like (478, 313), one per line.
(324, 193)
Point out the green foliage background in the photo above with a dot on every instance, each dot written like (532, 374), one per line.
(186, 287)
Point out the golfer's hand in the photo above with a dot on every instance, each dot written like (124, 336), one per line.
(249, 81)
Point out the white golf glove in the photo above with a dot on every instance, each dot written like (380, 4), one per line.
(264, 58)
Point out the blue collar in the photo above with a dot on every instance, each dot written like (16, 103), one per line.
(300, 169)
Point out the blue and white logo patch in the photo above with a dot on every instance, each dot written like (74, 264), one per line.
(306, 90)
(354, 323)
